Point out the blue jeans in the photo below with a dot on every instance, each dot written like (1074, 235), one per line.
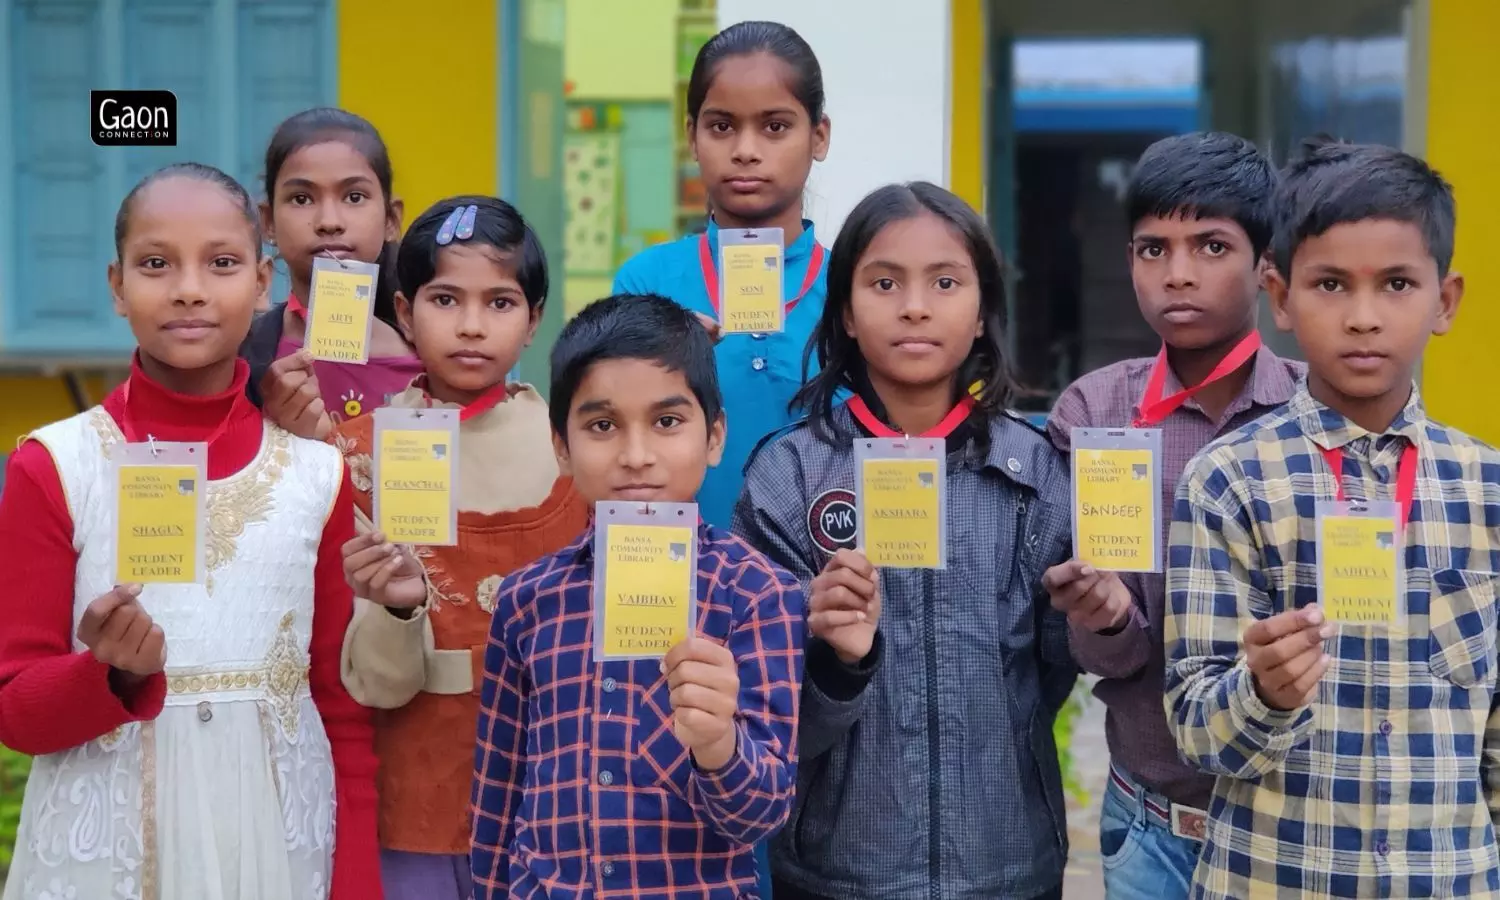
(1142, 859)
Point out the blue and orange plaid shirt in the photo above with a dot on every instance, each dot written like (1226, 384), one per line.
(1388, 784)
(580, 787)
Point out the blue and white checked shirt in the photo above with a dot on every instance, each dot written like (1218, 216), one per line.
(1388, 785)
(580, 787)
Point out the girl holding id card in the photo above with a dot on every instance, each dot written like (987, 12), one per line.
(171, 649)
(473, 284)
(919, 516)
(756, 275)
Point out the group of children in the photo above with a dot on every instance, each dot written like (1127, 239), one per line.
(301, 722)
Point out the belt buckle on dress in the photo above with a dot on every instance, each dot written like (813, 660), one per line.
(1188, 822)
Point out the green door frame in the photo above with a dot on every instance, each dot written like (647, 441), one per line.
(531, 122)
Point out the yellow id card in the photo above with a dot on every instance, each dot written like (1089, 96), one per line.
(1115, 510)
(751, 301)
(648, 577)
(341, 311)
(1359, 566)
(414, 501)
(159, 524)
(901, 511)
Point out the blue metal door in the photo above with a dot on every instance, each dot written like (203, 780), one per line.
(237, 67)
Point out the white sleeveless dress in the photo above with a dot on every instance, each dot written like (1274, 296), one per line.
(229, 793)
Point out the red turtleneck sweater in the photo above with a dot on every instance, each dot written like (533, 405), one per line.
(52, 698)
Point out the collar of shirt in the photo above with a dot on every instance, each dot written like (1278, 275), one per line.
(1012, 444)
(1269, 385)
(1332, 430)
(798, 252)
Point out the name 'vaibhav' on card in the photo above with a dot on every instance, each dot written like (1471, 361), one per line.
(645, 578)
(1117, 498)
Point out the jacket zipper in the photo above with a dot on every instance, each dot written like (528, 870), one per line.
(934, 752)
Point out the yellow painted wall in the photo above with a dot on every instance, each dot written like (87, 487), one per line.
(28, 402)
(621, 51)
(1459, 90)
(427, 76)
(966, 153)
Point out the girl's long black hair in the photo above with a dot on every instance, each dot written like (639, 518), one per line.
(840, 365)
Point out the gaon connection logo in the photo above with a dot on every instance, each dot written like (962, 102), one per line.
(133, 118)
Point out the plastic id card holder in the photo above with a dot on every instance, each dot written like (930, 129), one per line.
(750, 284)
(645, 578)
(415, 475)
(161, 512)
(902, 499)
(1360, 567)
(1117, 498)
(341, 310)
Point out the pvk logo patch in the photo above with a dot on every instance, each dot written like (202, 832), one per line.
(832, 522)
(133, 118)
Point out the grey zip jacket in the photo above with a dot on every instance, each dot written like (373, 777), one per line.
(929, 770)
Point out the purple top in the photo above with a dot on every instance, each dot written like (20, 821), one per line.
(350, 390)
(1132, 663)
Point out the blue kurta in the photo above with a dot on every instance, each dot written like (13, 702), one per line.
(758, 374)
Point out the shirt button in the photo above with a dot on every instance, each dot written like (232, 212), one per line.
(606, 778)
(1385, 727)
(205, 712)
(1383, 848)
(757, 363)
(608, 869)
(609, 685)
(1014, 465)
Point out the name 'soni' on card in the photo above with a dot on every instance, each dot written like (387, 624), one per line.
(750, 263)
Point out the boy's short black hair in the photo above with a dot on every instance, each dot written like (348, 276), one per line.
(1333, 183)
(633, 326)
(1206, 174)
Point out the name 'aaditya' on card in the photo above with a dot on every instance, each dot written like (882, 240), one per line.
(903, 502)
(160, 512)
(750, 285)
(1117, 498)
(645, 578)
(341, 310)
(415, 476)
(1359, 552)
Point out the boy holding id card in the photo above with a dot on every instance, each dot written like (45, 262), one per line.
(171, 648)
(1199, 207)
(1332, 637)
(638, 716)
(457, 472)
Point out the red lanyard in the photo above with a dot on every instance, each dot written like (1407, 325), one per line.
(1406, 478)
(872, 423)
(295, 305)
(484, 402)
(711, 274)
(1154, 407)
(133, 435)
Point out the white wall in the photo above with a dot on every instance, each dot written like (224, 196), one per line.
(886, 70)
